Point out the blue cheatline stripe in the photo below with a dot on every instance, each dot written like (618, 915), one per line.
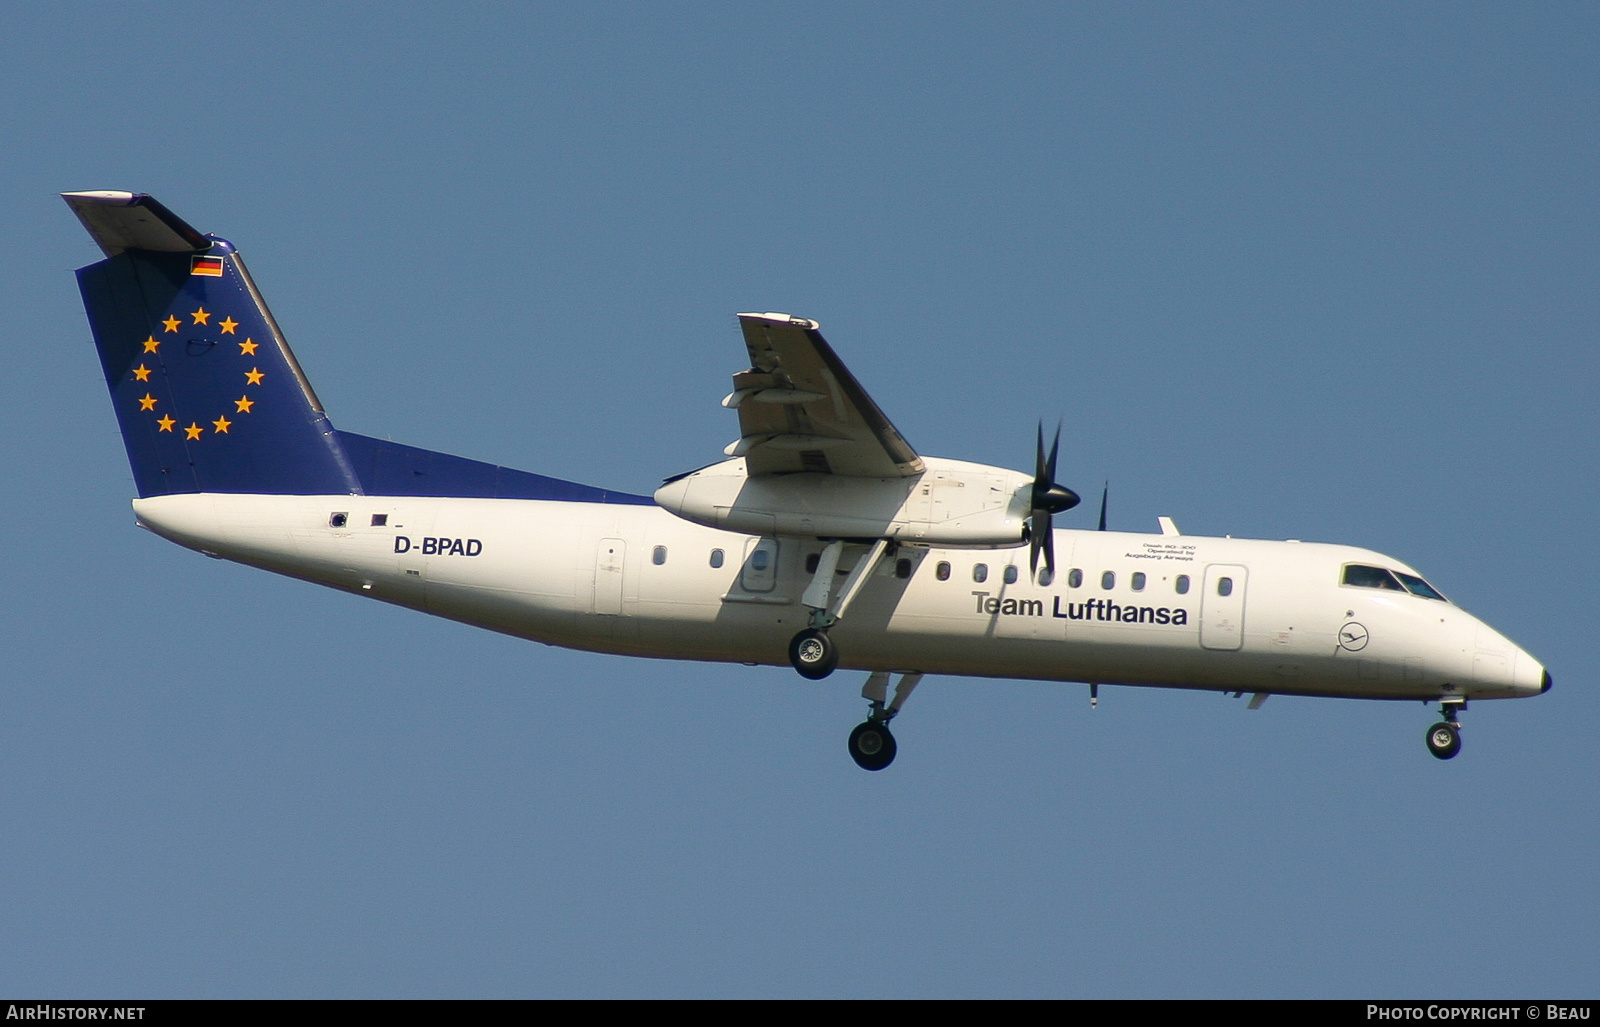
(390, 469)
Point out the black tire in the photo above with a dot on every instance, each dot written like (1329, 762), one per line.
(1444, 741)
(813, 654)
(872, 746)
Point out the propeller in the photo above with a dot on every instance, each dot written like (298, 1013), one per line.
(1048, 498)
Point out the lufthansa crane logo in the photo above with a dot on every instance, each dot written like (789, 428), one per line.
(1353, 637)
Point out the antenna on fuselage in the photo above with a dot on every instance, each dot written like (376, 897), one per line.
(1105, 493)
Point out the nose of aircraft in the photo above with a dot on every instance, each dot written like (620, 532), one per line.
(1531, 678)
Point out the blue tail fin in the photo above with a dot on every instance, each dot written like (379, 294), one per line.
(208, 395)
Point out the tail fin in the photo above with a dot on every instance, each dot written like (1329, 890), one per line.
(208, 395)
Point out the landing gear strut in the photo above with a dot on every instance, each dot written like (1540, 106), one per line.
(1444, 738)
(811, 651)
(871, 744)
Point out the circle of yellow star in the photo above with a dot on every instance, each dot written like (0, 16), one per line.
(141, 373)
(254, 376)
(151, 344)
(228, 325)
(201, 316)
(148, 402)
(247, 347)
(172, 323)
(244, 403)
(166, 423)
(221, 425)
(193, 431)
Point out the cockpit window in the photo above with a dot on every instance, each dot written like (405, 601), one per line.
(1363, 576)
(1417, 587)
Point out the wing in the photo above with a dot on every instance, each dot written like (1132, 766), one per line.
(800, 408)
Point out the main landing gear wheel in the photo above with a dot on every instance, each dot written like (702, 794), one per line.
(1444, 740)
(872, 746)
(813, 654)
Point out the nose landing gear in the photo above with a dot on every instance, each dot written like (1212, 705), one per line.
(1444, 738)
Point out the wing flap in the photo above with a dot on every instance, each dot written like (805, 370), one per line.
(800, 408)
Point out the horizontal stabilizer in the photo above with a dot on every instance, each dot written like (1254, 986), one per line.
(121, 221)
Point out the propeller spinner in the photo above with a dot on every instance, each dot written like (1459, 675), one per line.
(1048, 498)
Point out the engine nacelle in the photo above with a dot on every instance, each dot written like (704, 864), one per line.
(952, 503)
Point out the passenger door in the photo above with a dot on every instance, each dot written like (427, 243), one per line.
(1222, 606)
(608, 566)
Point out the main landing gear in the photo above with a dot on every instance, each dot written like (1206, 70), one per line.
(871, 744)
(1444, 738)
(812, 652)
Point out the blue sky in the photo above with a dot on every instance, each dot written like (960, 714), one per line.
(1285, 271)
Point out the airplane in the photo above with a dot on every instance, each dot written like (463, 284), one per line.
(822, 539)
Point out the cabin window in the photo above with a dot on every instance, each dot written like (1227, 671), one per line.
(338, 520)
(658, 555)
(1224, 586)
(760, 560)
(1138, 581)
(1108, 580)
(717, 557)
(380, 520)
(1182, 584)
(942, 572)
(902, 568)
(1045, 577)
(1363, 576)
(980, 572)
(1075, 578)
(1011, 574)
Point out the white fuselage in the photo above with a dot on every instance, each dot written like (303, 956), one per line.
(636, 580)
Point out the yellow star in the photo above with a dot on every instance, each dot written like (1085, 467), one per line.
(200, 316)
(172, 323)
(222, 424)
(193, 431)
(247, 347)
(148, 402)
(244, 403)
(228, 325)
(166, 423)
(254, 376)
(142, 373)
(150, 344)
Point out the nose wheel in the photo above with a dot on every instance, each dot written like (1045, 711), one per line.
(1444, 738)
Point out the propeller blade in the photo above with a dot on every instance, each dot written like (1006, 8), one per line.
(1046, 498)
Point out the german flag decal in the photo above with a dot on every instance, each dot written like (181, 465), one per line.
(211, 267)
